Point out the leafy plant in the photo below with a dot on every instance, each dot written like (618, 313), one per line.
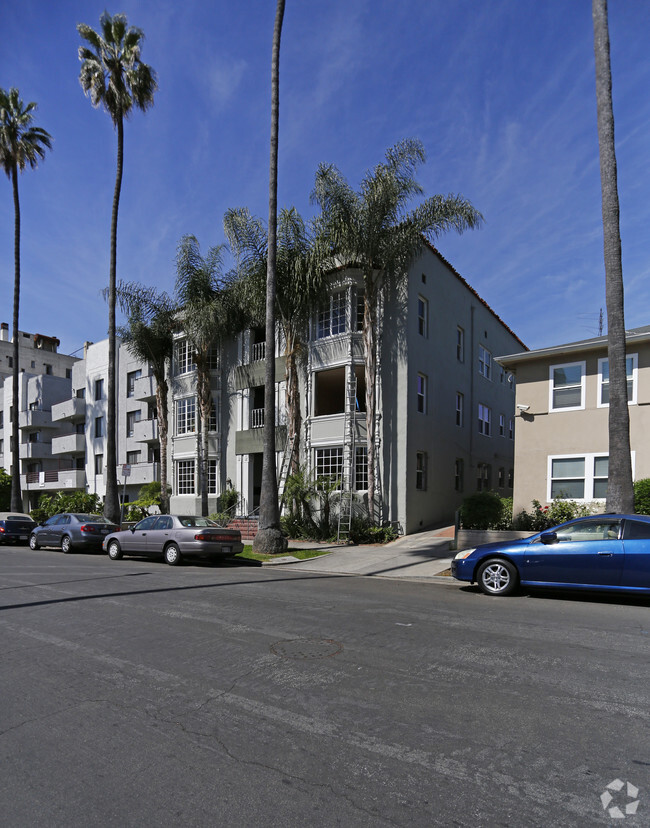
(642, 496)
(486, 510)
(544, 517)
(49, 505)
(149, 495)
(5, 491)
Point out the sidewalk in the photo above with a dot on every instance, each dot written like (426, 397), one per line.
(418, 556)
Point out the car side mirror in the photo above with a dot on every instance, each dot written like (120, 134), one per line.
(132, 528)
(548, 537)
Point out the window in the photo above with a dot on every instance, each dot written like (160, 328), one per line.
(360, 311)
(361, 468)
(423, 317)
(99, 389)
(186, 415)
(81, 394)
(131, 377)
(459, 474)
(502, 425)
(422, 394)
(214, 358)
(212, 477)
(483, 477)
(132, 458)
(48, 368)
(331, 318)
(581, 477)
(484, 362)
(213, 421)
(511, 429)
(567, 386)
(590, 530)
(484, 420)
(421, 470)
(183, 357)
(2, 419)
(99, 426)
(460, 344)
(185, 477)
(132, 417)
(99, 464)
(329, 462)
(501, 478)
(460, 408)
(511, 478)
(603, 380)
(68, 373)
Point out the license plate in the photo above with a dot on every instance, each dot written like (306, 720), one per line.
(227, 549)
(104, 531)
(23, 537)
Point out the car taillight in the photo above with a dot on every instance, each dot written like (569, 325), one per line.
(204, 536)
(86, 528)
(2, 529)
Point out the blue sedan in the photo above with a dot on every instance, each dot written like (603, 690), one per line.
(606, 552)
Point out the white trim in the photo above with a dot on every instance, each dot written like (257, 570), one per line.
(635, 376)
(551, 388)
(589, 458)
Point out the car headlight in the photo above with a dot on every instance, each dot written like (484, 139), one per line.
(465, 553)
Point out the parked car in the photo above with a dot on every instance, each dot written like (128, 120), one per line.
(71, 531)
(605, 552)
(174, 537)
(15, 527)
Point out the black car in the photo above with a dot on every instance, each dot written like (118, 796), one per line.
(15, 527)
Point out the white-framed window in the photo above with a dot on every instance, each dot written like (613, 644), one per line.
(186, 415)
(331, 317)
(423, 316)
(214, 358)
(502, 425)
(213, 422)
(361, 468)
(185, 477)
(183, 357)
(460, 344)
(212, 476)
(422, 394)
(460, 409)
(329, 462)
(578, 476)
(361, 296)
(421, 470)
(567, 387)
(484, 420)
(631, 371)
(484, 362)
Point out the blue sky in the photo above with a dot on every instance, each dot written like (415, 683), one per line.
(502, 95)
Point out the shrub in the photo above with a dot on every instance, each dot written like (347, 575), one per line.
(363, 531)
(544, 517)
(49, 505)
(642, 496)
(486, 510)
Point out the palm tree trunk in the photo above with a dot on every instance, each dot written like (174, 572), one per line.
(112, 504)
(269, 539)
(620, 490)
(16, 495)
(294, 424)
(161, 405)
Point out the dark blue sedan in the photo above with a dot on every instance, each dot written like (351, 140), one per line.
(606, 552)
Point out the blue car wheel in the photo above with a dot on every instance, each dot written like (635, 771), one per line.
(497, 577)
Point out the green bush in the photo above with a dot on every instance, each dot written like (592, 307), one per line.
(642, 496)
(49, 505)
(5, 491)
(544, 517)
(486, 510)
(363, 531)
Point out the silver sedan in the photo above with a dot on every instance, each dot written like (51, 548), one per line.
(174, 537)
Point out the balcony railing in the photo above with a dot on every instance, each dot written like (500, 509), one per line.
(73, 409)
(69, 444)
(144, 388)
(258, 351)
(54, 479)
(145, 431)
(257, 418)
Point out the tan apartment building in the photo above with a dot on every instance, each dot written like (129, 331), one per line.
(561, 423)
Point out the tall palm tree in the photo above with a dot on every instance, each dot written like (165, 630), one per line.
(620, 489)
(375, 231)
(149, 336)
(269, 539)
(299, 286)
(209, 313)
(115, 78)
(21, 144)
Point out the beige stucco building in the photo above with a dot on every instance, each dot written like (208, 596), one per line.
(561, 423)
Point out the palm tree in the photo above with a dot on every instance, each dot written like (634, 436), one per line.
(299, 285)
(21, 144)
(375, 231)
(620, 489)
(209, 312)
(269, 539)
(149, 336)
(114, 77)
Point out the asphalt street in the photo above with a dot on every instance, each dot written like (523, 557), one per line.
(136, 694)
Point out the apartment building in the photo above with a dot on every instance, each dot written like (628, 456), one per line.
(561, 447)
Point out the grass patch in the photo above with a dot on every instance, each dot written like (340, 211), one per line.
(301, 554)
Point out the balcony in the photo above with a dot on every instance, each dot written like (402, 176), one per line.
(146, 431)
(69, 444)
(54, 480)
(69, 410)
(258, 351)
(256, 419)
(35, 419)
(141, 473)
(35, 451)
(144, 389)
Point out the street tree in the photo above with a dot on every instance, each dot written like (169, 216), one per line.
(115, 78)
(149, 336)
(269, 538)
(21, 144)
(376, 231)
(620, 490)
